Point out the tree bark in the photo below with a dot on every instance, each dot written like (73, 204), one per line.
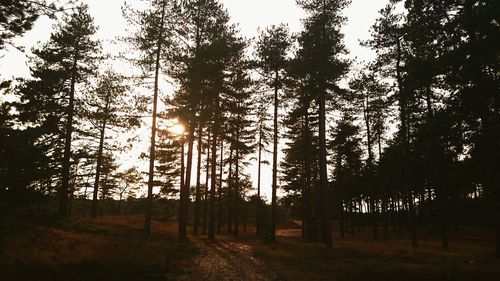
(366, 113)
(323, 178)
(326, 234)
(99, 159)
(237, 194)
(198, 176)
(404, 146)
(258, 218)
(211, 211)
(184, 200)
(66, 165)
(149, 199)
(219, 196)
(272, 221)
(229, 198)
(207, 175)
(310, 233)
(182, 185)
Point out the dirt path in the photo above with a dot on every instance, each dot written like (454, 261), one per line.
(226, 260)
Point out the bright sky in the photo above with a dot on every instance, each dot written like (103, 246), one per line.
(248, 14)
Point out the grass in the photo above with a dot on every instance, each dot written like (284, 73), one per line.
(361, 258)
(114, 248)
(109, 248)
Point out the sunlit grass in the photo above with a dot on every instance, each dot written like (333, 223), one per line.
(361, 258)
(108, 248)
(114, 248)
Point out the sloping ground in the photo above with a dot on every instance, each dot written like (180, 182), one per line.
(359, 257)
(113, 248)
(353, 258)
(110, 248)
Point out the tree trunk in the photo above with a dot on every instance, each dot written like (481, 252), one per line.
(205, 201)
(272, 221)
(497, 226)
(66, 165)
(311, 233)
(366, 113)
(341, 219)
(72, 189)
(184, 200)
(443, 219)
(404, 149)
(399, 214)
(230, 193)
(352, 210)
(219, 196)
(182, 187)
(258, 218)
(149, 200)
(99, 159)
(211, 211)
(385, 216)
(98, 171)
(237, 197)
(198, 176)
(393, 213)
(361, 219)
(244, 217)
(326, 234)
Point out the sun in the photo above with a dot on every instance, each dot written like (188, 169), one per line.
(177, 129)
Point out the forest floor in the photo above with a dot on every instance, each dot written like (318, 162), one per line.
(114, 248)
(74, 249)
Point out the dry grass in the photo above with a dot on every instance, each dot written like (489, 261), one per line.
(114, 248)
(362, 258)
(108, 248)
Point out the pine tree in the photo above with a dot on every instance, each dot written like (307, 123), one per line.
(388, 34)
(240, 131)
(366, 89)
(320, 49)
(18, 16)
(225, 54)
(60, 68)
(346, 146)
(155, 26)
(168, 168)
(262, 117)
(205, 23)
(130, 179)
(470, 60)
(300, 165)
(25, 168)
(110, 109)
(272, 48)
(302, 123)
(202, 68)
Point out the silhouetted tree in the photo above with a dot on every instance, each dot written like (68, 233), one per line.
(153, 37)
(367, 89)
(387, 35)
(261, 105)
(110, 109)
(320, 47)
(59, 67)
(130, 179)
(18, 16)
(272, 49)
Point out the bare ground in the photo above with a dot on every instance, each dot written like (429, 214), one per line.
(226, 260)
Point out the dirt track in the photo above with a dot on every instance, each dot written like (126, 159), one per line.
(226, 260)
